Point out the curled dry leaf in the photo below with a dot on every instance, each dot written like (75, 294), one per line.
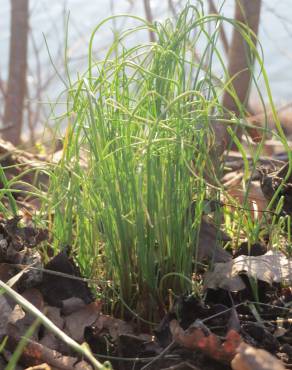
(199, 337)
(272, 267)
(250, 358)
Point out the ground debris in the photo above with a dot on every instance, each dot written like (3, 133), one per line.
(57, 288)
(35, 353)
(255, 201)
(272, 180)
(5, 312)
(39, 367)
(15, 240)
(22, 164)
(209, 246)
(17, 246)
(198, 336)
(182, 366)
(272, 267)
(20, 321)
(250, 358)
(77, 321)
(43, 346)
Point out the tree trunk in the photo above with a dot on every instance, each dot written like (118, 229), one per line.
(149, 17)
(240, 64)
(16, 87)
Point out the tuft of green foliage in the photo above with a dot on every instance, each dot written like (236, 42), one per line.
(138, 149)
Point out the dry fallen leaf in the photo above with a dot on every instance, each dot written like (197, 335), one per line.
(250, 358)
(256, 201)
(57, 288)
(19, 320)
(5, 312)
(79, 320)
(49, 339)
(39, 367)
(71, 305)
(272, 267)
(208, 245)
(7, 271)
(198, 337)
(114, 327)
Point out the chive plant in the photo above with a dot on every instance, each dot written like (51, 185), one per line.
(140, 119)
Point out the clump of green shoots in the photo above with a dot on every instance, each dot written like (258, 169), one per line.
(137, 152)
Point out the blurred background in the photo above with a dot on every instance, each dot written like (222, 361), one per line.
(44, 25)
